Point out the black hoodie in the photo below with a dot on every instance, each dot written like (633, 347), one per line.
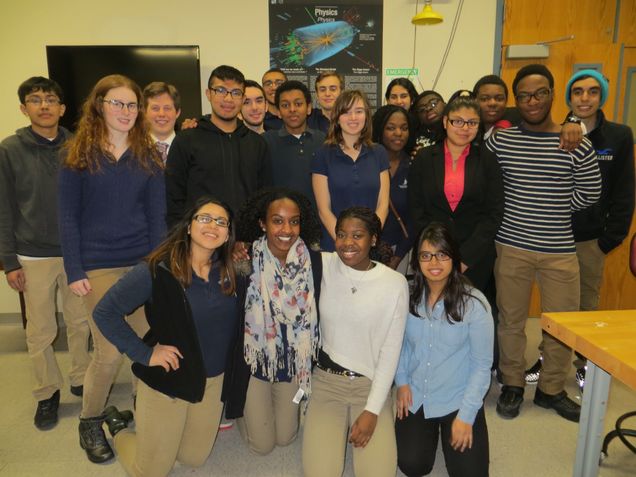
(207, 161)
(29, 166)
(609, 219)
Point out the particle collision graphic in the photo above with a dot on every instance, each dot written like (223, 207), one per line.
(322, 40)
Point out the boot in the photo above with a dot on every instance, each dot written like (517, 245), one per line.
(93, 440)
(116, 420)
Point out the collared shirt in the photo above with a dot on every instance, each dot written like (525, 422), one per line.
(448, 365)
(291, 158)
(317, 120)
(454, 179)
(350, 182)
(163, 145)
(392, 232)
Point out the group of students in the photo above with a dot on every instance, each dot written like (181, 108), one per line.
(224, 291)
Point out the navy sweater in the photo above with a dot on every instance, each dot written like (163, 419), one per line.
(111, 218)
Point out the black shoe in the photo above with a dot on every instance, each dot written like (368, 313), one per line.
(115, 420)
(533, 372)
(509, 401)
(77, 390)
(46, 413)
(560, 402)
(93, 440)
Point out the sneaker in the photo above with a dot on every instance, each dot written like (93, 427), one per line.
(579, 376)
(77, 390)
(533, 373)
(225, 424)
(46, 413)
(93, 440)
(560, 402)
(509, 402)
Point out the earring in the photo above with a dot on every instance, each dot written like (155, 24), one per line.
(188, 230)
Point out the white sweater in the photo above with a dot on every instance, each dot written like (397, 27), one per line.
(363, 331)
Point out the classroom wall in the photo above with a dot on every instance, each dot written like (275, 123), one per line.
(235, 33)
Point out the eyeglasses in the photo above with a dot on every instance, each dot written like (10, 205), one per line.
(223, 92)
(428, 256)
(37, 101)
(459, 123)
(117, 105)
(432, 104)
(270, 83)
(539, 95)
(208, 219)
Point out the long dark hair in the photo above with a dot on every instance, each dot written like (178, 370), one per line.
(381, 251)
(255, 210)
(175, 249)
(457, 290)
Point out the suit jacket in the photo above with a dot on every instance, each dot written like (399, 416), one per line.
(475, 220)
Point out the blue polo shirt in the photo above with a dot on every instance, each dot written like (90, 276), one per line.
(291, 159)
(350, 182)
(392, 232)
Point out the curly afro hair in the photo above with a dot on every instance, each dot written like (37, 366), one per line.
(255, 209)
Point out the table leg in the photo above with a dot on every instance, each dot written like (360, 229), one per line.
(588, 447)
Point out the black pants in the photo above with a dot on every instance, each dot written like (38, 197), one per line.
(417, 439)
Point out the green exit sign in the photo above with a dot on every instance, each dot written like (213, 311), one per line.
(402, 71)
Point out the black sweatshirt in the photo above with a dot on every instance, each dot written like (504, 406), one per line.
(609, 219)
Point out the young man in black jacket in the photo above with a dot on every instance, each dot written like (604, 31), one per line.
(30, 246)
(220, 156)
(602, 227)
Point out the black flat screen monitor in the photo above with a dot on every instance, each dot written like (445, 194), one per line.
(78, 68)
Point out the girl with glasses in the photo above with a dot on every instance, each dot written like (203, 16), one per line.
(188, 287)
(444, 368)
(112, 213)
(363, 308)
(458, 183)
(278, 337)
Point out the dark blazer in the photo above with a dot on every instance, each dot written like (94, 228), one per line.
(479, 213)
(237, 375)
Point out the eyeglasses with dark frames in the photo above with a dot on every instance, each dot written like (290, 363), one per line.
(208, 219)
(540, 95)
(428, 256)
(223, 92)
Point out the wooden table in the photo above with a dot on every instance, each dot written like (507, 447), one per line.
(608, 340)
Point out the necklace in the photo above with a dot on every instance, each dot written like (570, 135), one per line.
(354, 288)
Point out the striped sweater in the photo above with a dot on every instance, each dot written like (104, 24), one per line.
(543, 185)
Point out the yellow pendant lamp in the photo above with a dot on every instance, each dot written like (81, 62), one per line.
(427, 16)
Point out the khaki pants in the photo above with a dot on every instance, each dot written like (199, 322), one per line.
(106, 359)
(557, 276)
(335, 404)
(270, 418)
(170, 430)
(591, 262)
(43, 278)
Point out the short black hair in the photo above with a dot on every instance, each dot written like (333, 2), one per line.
(275, 70)
(291, 86)
(490, 79)
(405, 83)
(40, 83)
(253, 84)
(533, 69)
(226, 73)
(255, 210)
(381, 251)
(381, 117)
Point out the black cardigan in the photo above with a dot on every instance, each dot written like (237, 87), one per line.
(237, 376)
(477, 217)
(170, 319)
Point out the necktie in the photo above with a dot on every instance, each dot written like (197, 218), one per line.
(163, 150)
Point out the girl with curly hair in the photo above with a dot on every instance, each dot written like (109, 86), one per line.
(278, 339)
(112, 213)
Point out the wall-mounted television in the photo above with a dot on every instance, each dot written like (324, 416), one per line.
(78, 68)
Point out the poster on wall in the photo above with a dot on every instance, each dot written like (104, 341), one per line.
(307, 38)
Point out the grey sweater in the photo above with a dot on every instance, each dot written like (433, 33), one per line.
(29, 167)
